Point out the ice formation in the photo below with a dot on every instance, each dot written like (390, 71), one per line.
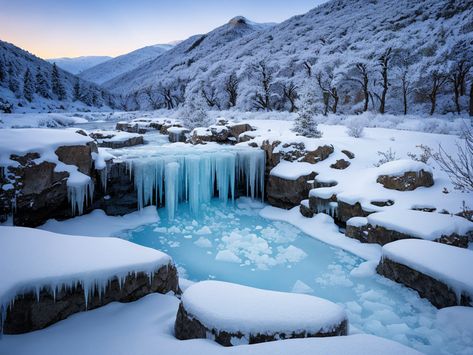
(195, 176)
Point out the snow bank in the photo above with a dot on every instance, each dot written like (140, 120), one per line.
(236, 308)
(98, 224)
(143, 326)
(445, 263)
(424, 225)
(292, 170)
(89, 261)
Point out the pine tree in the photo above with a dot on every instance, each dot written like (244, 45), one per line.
(28, 85)
(305, 124)
(77, 95)
(13, 84)
(194, 113)
(42, 86)
(56, 84)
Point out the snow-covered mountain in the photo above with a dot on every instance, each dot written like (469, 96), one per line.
(424, 39)
(186, 57)
(78, 64)
(109, 69)
(29, 83)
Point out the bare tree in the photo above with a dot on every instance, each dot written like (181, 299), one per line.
(290, 93)
(457, 78)
(231, 87)
(406, 86)
(362, 70)
(153, 97)
(264, 75)
(460, 167)
(166, 93)
(308, 68)
(210, 96)
(329, 90)
(384, 64)
(438, 81)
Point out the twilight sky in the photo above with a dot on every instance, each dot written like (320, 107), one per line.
(71, 28)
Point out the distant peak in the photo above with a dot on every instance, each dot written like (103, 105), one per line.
(238, 21)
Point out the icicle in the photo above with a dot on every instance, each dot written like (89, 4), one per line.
(80, 195)
(171, 188)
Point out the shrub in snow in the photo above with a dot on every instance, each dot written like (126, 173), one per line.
(424, 156)
(194, 113)
(356, 126)
(386, 157)
(305, 123)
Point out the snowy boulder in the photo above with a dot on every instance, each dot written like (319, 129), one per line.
(232, 314)
(219, 134)
(81, 273)
(391, 225)
(177, 134)
(340, 164)
(49, 172)
(321, 153)
(305, 209)
(405, 175)
(116, 140)
(236, 129)
(441, 273)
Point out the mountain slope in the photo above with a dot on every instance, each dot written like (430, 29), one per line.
(426, 37)
(78, 64)
(29, 83)
(185, 56)
(111, 68)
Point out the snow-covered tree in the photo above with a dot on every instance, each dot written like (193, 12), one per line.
(56, 84)
(42, 85)
(76, 93)
(13, 84)
(305, 123)
(28, 85)
(194, 113)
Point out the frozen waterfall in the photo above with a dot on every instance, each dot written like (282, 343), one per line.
(196, 175)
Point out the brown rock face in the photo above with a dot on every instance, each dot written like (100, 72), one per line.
(382, 236)
(340, 164)
(347, 211)
(288, 193)
(27, 314)
(219, 134)
(41, 192)
(321, 153)
(349, 154)
(409, 181)
(438, 293)
(189, 327)
(237, 129)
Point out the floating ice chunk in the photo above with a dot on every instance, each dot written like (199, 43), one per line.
(365, 269)
(227, 256)
(301, 287)
(204, 230)
(203, 243)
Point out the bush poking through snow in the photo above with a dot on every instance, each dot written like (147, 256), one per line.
(194, 113)
(424, 156)
(356, 126)
(305, 123)
(386, 157)
(460, 167)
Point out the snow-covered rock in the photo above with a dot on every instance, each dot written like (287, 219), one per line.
(441, 273)
(405, 175)
(80, 273)
(395, 224)
(115, 140)
(232, 314)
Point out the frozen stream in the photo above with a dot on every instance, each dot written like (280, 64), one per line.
(233, 243)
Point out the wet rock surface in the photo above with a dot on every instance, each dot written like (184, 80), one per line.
(29, 313)
(285, 193)
(438, 293)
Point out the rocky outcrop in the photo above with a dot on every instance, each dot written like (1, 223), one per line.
(39, 192)
(189, 327)
(347, 211)
(368, 233)
(438, 293)
(321, 153)
(119, 197)
(286, 193)
(30, 312)
(105, 139)
(235, 130)
(408, 181)
(177, 134)
(219, 134)
(340, 164)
